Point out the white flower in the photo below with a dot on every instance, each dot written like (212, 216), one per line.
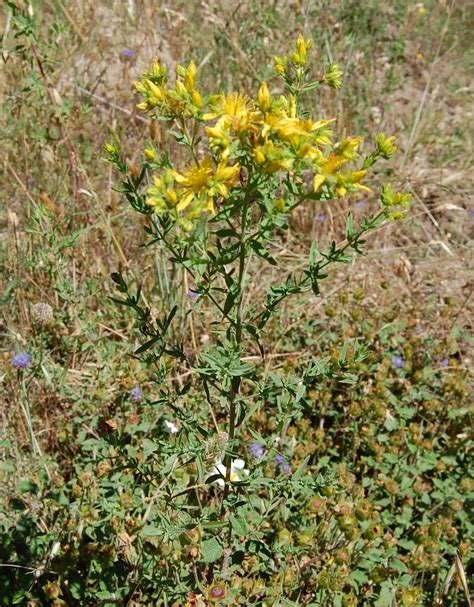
(170, 427)
(54, 550)
(238, 471)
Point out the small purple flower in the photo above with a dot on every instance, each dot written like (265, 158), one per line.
(320, 217)
(136, 393)
(284, 465)
(444, 363)
(128, 53)
(193, 295)
(256, 450)
(397, 362)
(360, 204)
(21, 360)
(470, 213)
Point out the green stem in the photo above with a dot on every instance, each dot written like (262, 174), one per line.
(238, 338)
(26, 412)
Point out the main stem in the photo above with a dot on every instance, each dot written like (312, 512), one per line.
(235, 384)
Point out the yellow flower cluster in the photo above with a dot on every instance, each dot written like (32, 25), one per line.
(265, 134)
(193, 190)
(183, 100)
(294, 66)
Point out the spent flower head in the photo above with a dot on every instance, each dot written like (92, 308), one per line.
(42, 313)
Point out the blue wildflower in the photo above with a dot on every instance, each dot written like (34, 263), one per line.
(471, 213)
(320, 217)
(284, 465)
(21, 360)
(397, 362)
(193, 295)
(256, 450)
(128, 53)
(360, 204)
(136, 393)
(444, 363)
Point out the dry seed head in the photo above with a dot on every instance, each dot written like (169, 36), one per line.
(42, 313)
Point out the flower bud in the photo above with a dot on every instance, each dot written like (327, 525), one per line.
(196, 98)
(263, 97)
(150, 154)
(156, 91)
(259, 156)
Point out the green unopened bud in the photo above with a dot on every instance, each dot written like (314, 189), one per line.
(333, 77)
(385, 146)
(150, 154)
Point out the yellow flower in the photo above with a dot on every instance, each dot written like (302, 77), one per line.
(204, 181)
(348, 148)
(353, 179)
(318, 182)
(332, 163)
(290, 129)
(233, 110)
(342, 181)
(391, 199)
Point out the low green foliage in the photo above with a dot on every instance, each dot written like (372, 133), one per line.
(371, 500)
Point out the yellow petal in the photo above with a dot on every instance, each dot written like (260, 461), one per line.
(185, 202)
(318, 182)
